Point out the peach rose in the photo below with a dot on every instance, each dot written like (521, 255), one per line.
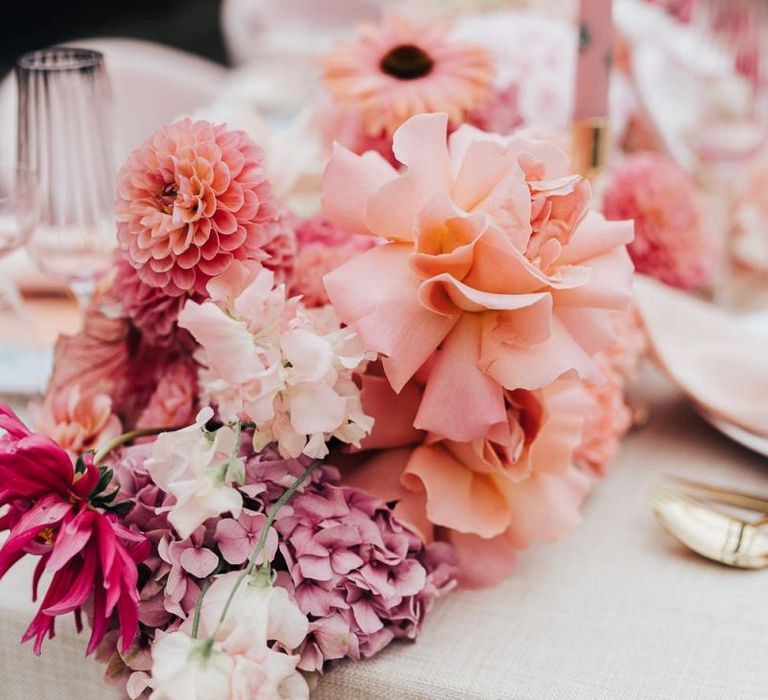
(494, 277)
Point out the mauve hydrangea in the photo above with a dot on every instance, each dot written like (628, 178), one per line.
(361, 577)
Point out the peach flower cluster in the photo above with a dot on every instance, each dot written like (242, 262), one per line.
(191, 200)
(489, 301)
(495, 276)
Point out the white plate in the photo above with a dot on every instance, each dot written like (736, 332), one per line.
(758, 443)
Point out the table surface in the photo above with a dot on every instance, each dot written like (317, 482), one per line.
(617, 610)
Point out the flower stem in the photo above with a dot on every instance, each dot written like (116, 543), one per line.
(199, 607)
(262, 541)
(104, 450)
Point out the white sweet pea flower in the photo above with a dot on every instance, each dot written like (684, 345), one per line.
(199, 469)
(186, 669)
(287, 369)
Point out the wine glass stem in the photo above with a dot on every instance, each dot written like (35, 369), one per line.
(83, 292)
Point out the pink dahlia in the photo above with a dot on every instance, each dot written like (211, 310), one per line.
(395, 70)
(55, 512)
(323, 247)
(671, 241)
(191, 200)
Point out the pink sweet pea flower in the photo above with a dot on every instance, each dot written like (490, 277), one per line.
(91, 556)
(495, 275)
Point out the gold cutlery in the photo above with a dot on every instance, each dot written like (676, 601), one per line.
(684, 509)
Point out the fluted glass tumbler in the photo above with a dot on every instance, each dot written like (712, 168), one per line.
(65, 135)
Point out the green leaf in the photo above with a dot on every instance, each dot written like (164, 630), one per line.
(122, 508)
(80, 465)
(104, 481)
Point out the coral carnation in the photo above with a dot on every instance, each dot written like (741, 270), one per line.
(191, 200)
(396, 70)
(323, 247)
(671, 243)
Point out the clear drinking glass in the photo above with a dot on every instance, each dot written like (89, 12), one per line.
(23, 363)
(18, 217)
(65, 135)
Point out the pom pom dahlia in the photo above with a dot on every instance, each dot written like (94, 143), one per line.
(151, 309)
(396, 70)
(191, 200)
(494, 276)
(280, 246)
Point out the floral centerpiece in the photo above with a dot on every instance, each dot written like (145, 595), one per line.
(277, 441)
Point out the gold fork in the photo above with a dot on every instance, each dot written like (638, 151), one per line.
(682, 507)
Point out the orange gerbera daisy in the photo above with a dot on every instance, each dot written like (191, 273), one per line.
(395, 70)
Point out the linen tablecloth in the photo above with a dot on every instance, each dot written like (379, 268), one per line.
(617, 610)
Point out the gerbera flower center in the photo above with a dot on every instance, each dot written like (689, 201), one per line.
(167, 197)
(407, 62)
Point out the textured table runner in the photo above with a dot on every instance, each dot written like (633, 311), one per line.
(616, 611)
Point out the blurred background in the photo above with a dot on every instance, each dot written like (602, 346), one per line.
(192, 25)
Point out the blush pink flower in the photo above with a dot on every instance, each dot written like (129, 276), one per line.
(191, 200)
(395, 70)
(489, 497)
(200, 470)
(494, 277)
(77, 422)
(671, 242)
(174, 401)
(91, 557)
(323, 247)
(237, 538)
